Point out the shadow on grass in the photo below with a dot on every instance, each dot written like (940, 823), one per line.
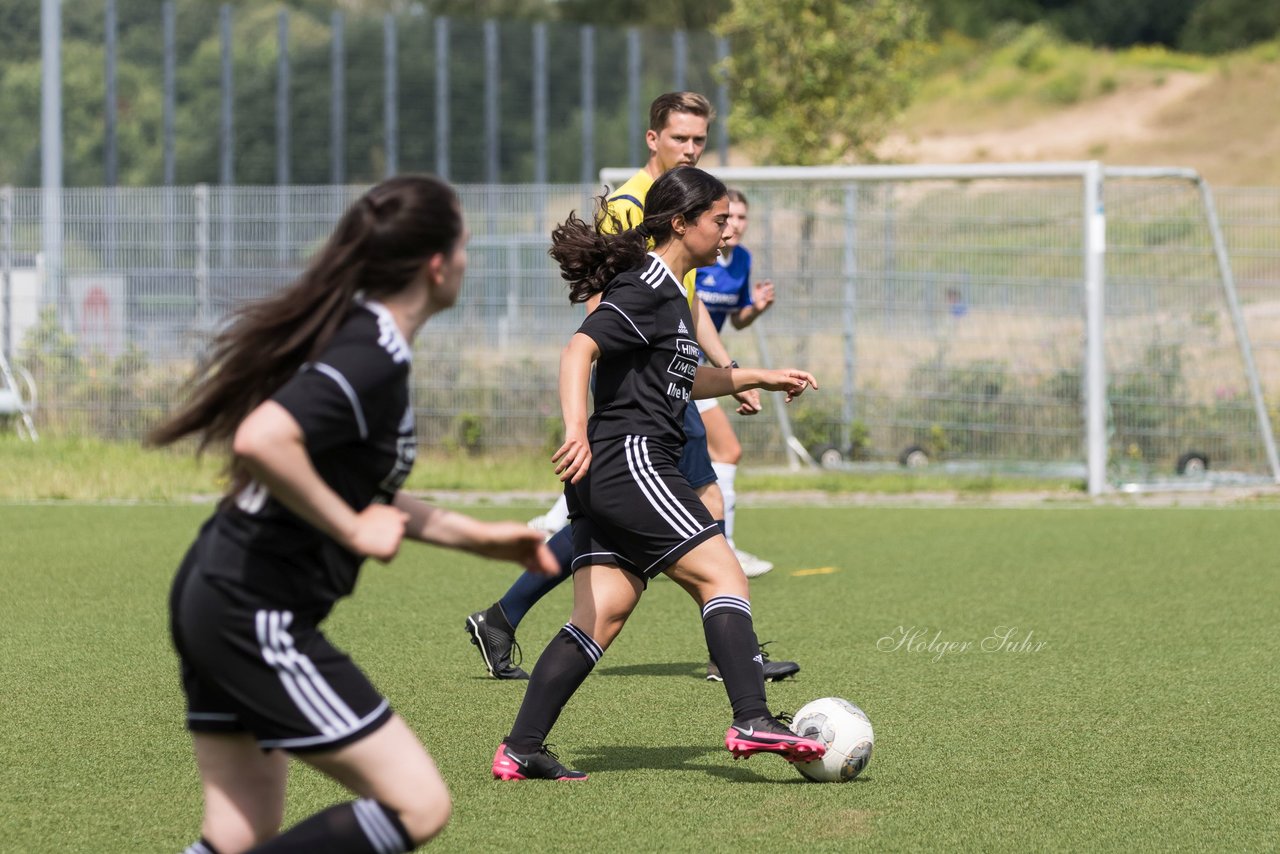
(662, 668)
(701, 759)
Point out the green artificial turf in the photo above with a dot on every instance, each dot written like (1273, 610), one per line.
(1131, 708)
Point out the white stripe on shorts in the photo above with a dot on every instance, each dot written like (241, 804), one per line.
(659, 496)
(308, 689)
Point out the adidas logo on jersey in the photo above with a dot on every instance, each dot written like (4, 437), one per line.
(682, 330)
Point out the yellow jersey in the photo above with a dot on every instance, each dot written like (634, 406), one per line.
(627, 205)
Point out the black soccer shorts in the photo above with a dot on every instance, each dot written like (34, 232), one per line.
(252, 666)
(634, 508)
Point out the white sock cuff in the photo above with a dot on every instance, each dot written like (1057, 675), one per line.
(558, 515)
(725, 472)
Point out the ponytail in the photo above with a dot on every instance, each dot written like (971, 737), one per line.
(378, 248)
(589, 259)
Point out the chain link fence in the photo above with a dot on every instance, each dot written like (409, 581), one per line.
(965, 300)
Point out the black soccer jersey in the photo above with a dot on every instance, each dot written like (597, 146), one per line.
(648, 355)
(352, 404)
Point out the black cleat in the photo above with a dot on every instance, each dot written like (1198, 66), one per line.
(495, 638)
(774, 671)
(540, 765)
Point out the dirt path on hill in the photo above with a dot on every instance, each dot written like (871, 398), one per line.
(1084, 131)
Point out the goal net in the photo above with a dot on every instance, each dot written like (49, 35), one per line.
(1061, 319)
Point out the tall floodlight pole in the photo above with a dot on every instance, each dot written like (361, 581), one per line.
(51, 141)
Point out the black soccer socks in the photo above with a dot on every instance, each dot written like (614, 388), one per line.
(560, 670)
(358, 827)
(731, 640)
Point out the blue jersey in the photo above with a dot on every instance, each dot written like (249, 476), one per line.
(725, 288)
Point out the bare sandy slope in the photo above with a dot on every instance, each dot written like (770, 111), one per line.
(1126, 116)
(1224, 122)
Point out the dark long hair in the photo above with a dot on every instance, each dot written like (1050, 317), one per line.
(589, 258)
(378, 248)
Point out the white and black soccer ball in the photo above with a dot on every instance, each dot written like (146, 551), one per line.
(846, 732)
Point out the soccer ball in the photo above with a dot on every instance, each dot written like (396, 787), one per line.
(844, 729)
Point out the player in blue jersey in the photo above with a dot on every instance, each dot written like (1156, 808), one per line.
(726, 290)
(308, 391)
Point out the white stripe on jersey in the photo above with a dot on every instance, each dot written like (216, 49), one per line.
(310, 692)
(659, 497)
(378, 829)
(336, 375)
(624, 315)
(389, 336)
(666, 269)
(653, 275)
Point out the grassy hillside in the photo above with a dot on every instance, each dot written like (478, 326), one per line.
(1031, 96)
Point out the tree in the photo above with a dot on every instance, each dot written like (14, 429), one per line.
(817, 81)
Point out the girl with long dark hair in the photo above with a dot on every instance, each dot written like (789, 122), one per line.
(633, 513)
(308, 392)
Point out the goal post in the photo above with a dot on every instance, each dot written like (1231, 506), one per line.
(987, 375)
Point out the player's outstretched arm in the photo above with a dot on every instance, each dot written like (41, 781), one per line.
(573, 458)
(509, 541)
(716, 354)
(271, 445)
(716, 382)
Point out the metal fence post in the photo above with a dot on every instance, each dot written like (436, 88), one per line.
(51, 146)
(169, 85)
(6, 266)
(337, 100)
(442, 97)
(540, 104)
(390, 105)
(492, 117)
(226, 146)
(680, 54)
(282, 98)
(110, 154)
(201, 193)
(588, 42)
(722, 100)
(282, 136)
(635, 130)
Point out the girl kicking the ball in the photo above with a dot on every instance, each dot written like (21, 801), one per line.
(633, 514)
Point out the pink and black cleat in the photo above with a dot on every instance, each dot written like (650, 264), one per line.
(542, 764)
(768, 734)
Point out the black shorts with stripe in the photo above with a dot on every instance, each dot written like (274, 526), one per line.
(253, 666)
(635, 509)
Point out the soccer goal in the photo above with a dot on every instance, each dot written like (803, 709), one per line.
(1002, 317)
